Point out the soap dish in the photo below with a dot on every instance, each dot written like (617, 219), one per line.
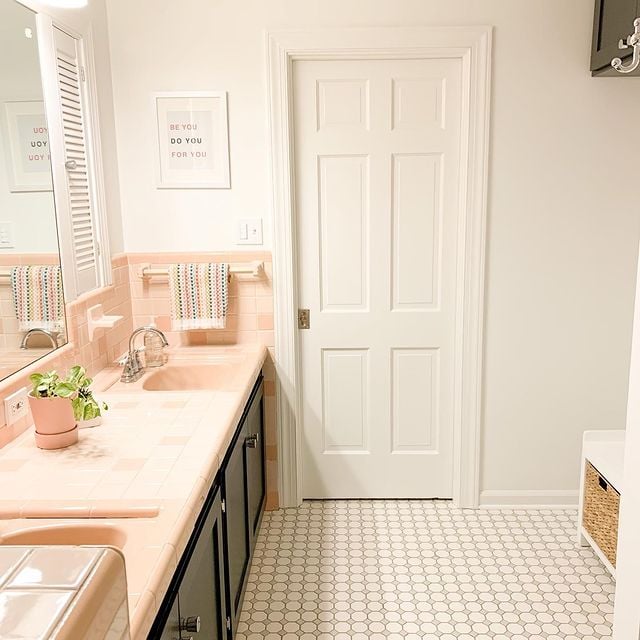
(97, 320)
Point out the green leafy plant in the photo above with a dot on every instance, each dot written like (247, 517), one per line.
(85, 406)
(76, 387)
(49, 385)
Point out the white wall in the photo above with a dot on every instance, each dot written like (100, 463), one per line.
(31, 213)
(626, 621)
(563, 202)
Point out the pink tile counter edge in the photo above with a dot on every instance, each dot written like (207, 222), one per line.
(166, 448)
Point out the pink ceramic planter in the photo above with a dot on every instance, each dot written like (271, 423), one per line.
(55, 422)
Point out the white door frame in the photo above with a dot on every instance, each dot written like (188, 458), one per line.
(472, 45)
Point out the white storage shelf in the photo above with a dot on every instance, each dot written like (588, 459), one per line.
(605, 451)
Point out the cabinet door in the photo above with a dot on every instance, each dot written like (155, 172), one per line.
(202, 594)
(237, 530)
(613, 20)
(253, 431)
(171, 629)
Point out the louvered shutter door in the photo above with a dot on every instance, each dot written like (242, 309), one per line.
(81, 206)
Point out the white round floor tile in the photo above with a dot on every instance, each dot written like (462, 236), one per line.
(393, 569)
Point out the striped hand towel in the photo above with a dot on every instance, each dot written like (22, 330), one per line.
(199, 295)
(37, 297)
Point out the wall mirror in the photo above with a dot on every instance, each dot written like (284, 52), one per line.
(32, 309)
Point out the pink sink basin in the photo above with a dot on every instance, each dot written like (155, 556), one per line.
(63, 534)
(192, 377)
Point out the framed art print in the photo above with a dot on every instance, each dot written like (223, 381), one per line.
(193, 140)
(27, 146)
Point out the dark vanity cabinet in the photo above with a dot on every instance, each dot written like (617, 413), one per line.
(205, 594)
(613, 21)
(244, 492)
(195, 605)
(202, 591)
(171, 626)
(254, 466)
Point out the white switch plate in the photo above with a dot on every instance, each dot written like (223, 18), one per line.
(16, 406)
(6, 235)
(249, 231)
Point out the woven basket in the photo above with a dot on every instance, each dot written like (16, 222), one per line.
(600, 512)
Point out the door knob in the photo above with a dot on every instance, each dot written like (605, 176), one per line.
(71, 165)
(190, 624)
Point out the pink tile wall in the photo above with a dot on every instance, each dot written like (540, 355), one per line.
(105, 348)
(250, 319)
(140, 301)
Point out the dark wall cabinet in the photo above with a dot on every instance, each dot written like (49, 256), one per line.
(205, 595)
(613, 21)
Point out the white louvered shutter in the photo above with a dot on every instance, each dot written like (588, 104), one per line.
(81, 211)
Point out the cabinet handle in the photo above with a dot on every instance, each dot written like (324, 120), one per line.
(190, 624)
(252, 441)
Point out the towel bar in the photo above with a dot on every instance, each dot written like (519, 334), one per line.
(254, 269)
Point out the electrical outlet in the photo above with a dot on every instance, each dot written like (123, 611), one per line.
(16, 406)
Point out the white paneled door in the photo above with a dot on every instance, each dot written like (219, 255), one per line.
(377, 184)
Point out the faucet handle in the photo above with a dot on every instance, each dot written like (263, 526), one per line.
(122, 360)
(132, 368)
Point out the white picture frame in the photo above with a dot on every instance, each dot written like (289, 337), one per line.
(192, 143)
(28, 153)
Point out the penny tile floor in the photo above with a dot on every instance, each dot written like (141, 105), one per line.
(423, 570)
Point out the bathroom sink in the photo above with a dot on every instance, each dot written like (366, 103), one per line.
(67, 534)
(192, 377)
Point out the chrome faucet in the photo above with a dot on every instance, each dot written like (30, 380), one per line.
(133, 369)
(41, 332)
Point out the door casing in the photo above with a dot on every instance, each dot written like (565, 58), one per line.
(472, 45)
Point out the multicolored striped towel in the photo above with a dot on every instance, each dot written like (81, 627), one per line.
(37, 297)
(199, 295)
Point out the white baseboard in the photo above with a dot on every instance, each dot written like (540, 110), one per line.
(533, 499)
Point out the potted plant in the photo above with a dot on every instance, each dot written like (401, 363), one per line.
(51, 406)
(87, 410)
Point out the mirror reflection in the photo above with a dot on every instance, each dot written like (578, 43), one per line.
(32, 320)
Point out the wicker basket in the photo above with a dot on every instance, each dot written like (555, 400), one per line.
(600, 512)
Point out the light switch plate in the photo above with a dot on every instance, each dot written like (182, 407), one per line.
(249, 231)
(16, 406)
(6, 235)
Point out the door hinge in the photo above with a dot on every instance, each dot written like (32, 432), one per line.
(304, 321)
(223, 506)
(228, 623)
(83, 77)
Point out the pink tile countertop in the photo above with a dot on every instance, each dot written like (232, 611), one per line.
(144, 472)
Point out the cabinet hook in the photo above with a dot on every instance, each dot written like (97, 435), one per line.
(632, 41)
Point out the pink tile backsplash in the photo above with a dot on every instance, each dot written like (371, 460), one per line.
(250, 315)
(141, 301)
